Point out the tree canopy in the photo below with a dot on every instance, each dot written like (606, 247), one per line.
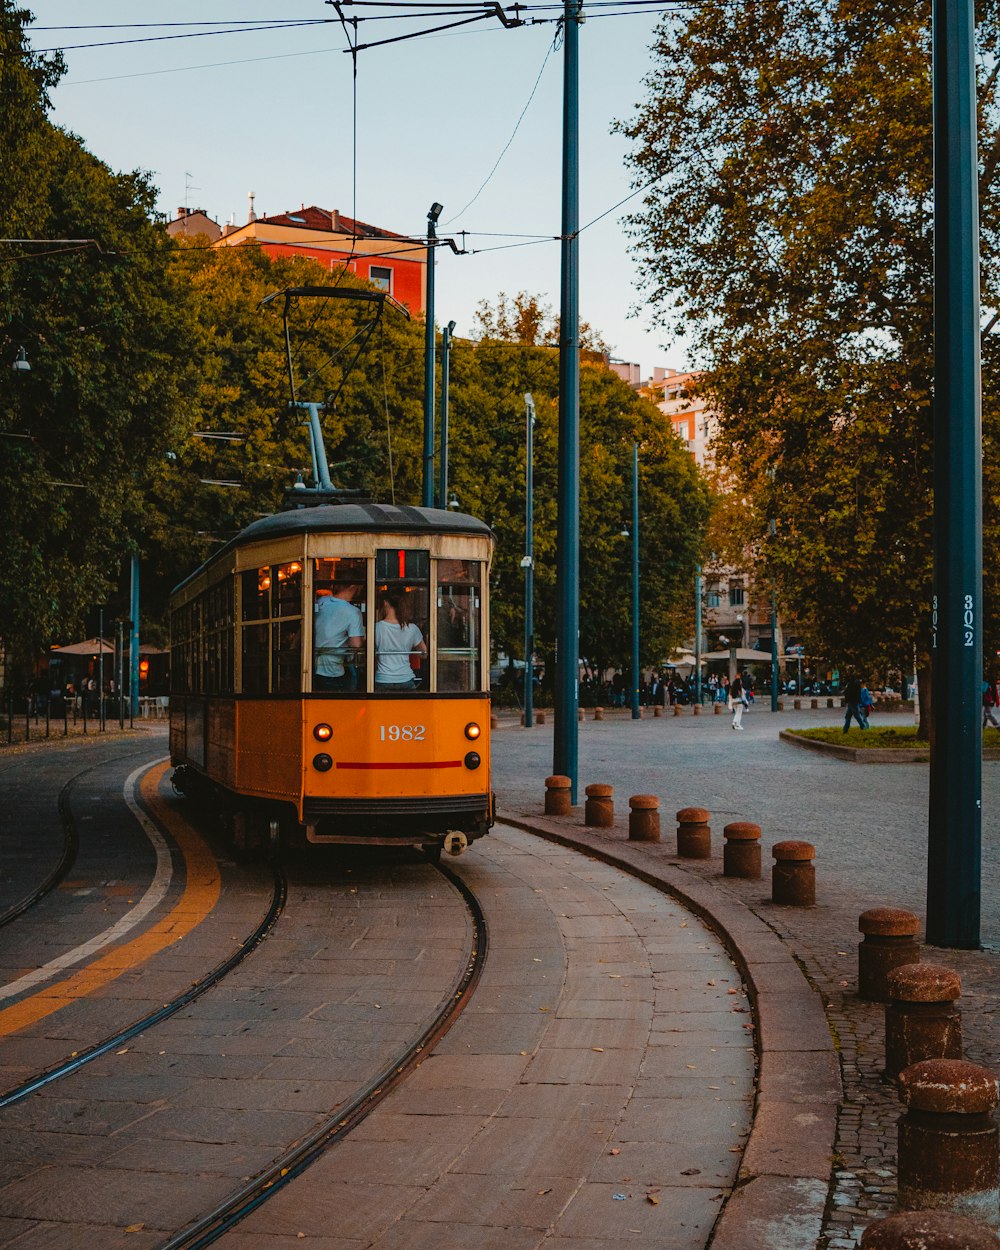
(787, 227)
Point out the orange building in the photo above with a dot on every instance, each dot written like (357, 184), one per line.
(392, 262)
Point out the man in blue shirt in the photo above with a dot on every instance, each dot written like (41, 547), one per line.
(338, 632)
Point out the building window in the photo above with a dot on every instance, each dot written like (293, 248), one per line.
(713, 598)
(736, 596)
(380, 276)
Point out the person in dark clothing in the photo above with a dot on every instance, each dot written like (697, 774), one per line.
(852, 696)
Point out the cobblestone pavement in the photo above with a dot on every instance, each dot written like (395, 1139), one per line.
(869, 826)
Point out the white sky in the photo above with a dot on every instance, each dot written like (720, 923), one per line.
(433, 116)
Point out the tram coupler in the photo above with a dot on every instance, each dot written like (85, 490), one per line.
(455, 842)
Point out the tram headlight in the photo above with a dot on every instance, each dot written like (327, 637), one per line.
(322, 762)
(472, 731)
(472, 760)
(323, 733)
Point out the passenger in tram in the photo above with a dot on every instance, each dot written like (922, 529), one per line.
(338, 632)
(396, 639)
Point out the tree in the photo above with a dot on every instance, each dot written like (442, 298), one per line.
(788, 227)
(104, 328)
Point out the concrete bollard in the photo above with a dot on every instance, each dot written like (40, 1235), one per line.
(830, 703)
(921, 1019)
(598, 713)
(657, 711)
(558, 796)
(644, 818)
(599, 809)
(797, 704)
(694, 837)
(741, 853)
(814, 704)
(889, 941)
(677, 709)
(539, 718)
(717, 709)
(793, 877)
(495, 720)
(695, 709)
(781, 705)
(949, 1158)
(522, 718)
(927, 1230)
(579, 713)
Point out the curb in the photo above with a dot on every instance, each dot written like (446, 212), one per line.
(783, 1182)
(870, 755)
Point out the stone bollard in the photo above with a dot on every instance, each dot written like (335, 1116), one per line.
(495, 720)
(695, 709)
(539, 718)
(830, 703)
(598, 713)
(558, 796)
(781, 705)
(814, 703)
(694, 837)
(579, 713)
(599, 809)
(657, 710)
(522, 718)
(644, 818)
(927, 1230)
(797, 704)
(717, 709)
(921, 1019)
(677, 709)
(793, 877)
(948, 1149)
(741, 853)
(890, 940)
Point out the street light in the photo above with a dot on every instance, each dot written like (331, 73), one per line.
(635, 581)
(20, 364)
(433, 213)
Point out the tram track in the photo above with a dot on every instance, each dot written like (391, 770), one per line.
(338, 1125)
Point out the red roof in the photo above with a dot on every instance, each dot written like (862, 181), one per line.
(315, 218)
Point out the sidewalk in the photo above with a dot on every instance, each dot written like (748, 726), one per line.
(820, 1161)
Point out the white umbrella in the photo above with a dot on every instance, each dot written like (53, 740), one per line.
(89, 646)
(741, 653)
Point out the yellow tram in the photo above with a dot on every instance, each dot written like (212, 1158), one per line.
(330, 678)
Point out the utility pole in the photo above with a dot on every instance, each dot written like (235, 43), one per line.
(528, 563)
(442, 495)
(697, 634)
(565, 736)
(955, 823)
(133, 678)
(433, 213)
(635, 581)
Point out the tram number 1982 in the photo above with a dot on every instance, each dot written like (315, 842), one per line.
(401, 733)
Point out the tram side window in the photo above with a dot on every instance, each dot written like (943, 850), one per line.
(256, 598)
(459, 625)
(286, 631)
(340, 606)
(402, 580)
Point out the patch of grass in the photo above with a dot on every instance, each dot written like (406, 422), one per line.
(900, 737)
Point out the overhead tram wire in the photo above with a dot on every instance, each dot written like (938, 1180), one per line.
(191, 34)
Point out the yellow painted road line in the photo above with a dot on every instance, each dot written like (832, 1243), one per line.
(154, 895)
(201, 893)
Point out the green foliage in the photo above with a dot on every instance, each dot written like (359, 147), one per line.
(789, 230)
(106, 338)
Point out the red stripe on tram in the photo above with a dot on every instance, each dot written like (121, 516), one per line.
(436, 764)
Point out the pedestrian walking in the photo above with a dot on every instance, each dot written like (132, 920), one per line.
(852, 695)
(866, 704)
(737, 701)
(991, 699)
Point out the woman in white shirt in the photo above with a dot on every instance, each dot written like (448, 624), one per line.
(396, 639)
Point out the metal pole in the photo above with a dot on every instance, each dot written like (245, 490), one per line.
(774, 653)
(955, 810)
(133, 682)
(429, 361)
(697, 633)
(529, 561)
(442, 495)
(635, 581)
(565, 743)
(100, 670)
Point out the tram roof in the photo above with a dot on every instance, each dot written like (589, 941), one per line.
(350, 518)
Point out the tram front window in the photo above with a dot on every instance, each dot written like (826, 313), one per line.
(339, 607)
(458, 625)
(403, 581)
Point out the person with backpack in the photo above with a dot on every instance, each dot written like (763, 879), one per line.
(852, 697)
